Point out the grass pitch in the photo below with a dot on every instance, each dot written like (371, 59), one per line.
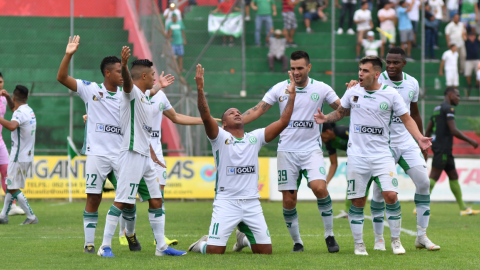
(57, 241)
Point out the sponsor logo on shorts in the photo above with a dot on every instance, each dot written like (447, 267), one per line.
(132, 198)
(232, 170)
(395, 182)
(282, 98)
(368, 130)
(108, 129)
(155, 133)
(222, 188)
(252, 140)
(315, 97)
(301, 124)
(396, 120)
(147, 128)
(214, 237)
(410, 94)
(9, 181)
(384, 106)
(322, 170)
(164, 175)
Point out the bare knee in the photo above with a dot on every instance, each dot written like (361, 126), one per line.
(319, 188)
(359, 202)
(262, 249)
(155, 203)
(215, 249)
(390, 197)
(289, 199)
(93, 201)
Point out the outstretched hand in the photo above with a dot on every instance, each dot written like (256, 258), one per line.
(4, 93)
(125, 55)
(425, 143)
(199, 76)
(164, 81)
(319, 117)
(72, 45)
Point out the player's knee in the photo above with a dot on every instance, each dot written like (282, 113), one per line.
(155, 203)
(93, 201)
(390, 197)
(262, 249)
(215, 249)
(289, 200)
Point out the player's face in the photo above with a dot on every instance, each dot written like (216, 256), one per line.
(455, 97)
(232, 117)
(114, 74)
(327, 135)
(1, 83)
(395, 64)
(300, 70)
(367, 75)
(174, 19)
(149, 78)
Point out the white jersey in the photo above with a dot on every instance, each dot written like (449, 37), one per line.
(409, 90)
(159, 103)
(23, 137)
(370, 118)
(302, 133)
(103, 135)
(236, 161)
(136, 121)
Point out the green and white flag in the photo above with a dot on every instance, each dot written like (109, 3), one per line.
(233, 26)
(72, 150)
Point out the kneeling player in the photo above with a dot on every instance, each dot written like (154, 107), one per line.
(236, 158)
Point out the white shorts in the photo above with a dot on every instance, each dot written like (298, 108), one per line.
(292, 165)
(478, 75)
(161, 172)
(17, 174)
(408, 156)
(362, 171)
(96, 170)
(451, 77)
(246, 214)
(132, 168)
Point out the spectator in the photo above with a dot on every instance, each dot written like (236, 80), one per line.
(347, 6)
(172, 9)
(370, 5)
(247, 10)
(225, 7)
(312, 10)
(471, 46)
(455, 34)
(431, 24)
(437, 8)
(414, 16)
(452, 7)
(387, 16)
(450, 62)
(289, 21)
(370, 45)
(176, 33)
(363, 19)
(276, 50)
(265, 9)
(405, 28)
(469, 11)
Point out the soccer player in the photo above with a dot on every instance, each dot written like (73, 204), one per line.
(23, 126)
(236, 189)
(442, 127)
(136, 114)
(14, 209)
(369, 156)
(299, 147)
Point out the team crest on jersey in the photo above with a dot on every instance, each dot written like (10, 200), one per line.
(315, 97)
(252, 140)
(384, 106)
(9, 181)
(286, 91)
(86, 82)
(161, 106)
(282, 98)
(410, 94)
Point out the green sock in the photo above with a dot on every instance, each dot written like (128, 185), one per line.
(457, 192)
(432, 184)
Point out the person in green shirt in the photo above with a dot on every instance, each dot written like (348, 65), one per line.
(469, 13)
(265, 9)
(176, 34)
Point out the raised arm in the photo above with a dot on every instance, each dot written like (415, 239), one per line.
(62, 75)
(332, 117)
(163, 81)
(182, 119)
(211, 127)
(127, 79)
(252, 114)
(452, 126)
(412, 128)
(275, 128)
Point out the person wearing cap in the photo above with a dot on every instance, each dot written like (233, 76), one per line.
(370, 45)
(176, 34)
(387, 17)
(276, 50)
(363, 19)
(172, 9)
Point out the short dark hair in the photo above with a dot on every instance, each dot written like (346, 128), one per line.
(107, 61)
(328, 126)
(401, 2)
(374, 60)
(297, 55)
(364, 2)
(20, 93)
(449, 90)
(1, 75)
(453, 45)
(138, 67)
(397, 50)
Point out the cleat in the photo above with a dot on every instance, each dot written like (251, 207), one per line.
(89, 249)
(379, 245)
(30, 221)
(239, 244)
(360, 249)
(123, 240)
(170, 252)
(4, 220)
(342, 214)
(414, 211)
(469, 212)
(422, 242)
(297, 247)
(397, 247)
(339, 31)
(105, 252)
(332, 245)
(133, 243)
(16, 210)
(169, 242)
(195, 247)
(350, 31)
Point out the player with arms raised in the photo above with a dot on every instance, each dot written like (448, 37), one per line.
(369, 155)
(236, 189)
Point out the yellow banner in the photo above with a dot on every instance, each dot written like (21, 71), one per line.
(187, 177)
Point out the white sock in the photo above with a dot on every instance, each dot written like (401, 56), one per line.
(356, 218)
(7, 204)
(378, 211)
(158, 227)
(90, 221)
(325, 208)
(121, 229)
(129, 215)
(291, 219)
(113, 216)
(394, 218)
(419, 176)
(203, 247)
(23, 203)
(246, 242)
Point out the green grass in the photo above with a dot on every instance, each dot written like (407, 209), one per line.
(57, 241)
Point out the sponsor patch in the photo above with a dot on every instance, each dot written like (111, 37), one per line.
(322, 170)
(368, 130)
(384, 106)
(108, 129)
(164, 175)
(147, 128)
(355, 98)
(86, 82)
(410, 94)
(282, 98)
(155, 133)
(301, 124)
(232, 170)
(396, 120)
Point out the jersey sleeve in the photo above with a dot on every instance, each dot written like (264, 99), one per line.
(449, 113)
(398, 105)
(444, 56)
(220, 137)
(330, 149)
(19, 117)
(330, 96)
(345, 101)
(166, 103)
(271, 96)
(131, 95)
(416, 92)
(84, 89)
(356, 16)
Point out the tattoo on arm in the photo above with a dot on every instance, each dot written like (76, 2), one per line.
(203, 105)
(127, 80)
(10, 103)
(264, 106)
(337, 115)
(335, 105)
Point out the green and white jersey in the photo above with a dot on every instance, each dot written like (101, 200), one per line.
(370, 119)
(23, 137)
(302, 133)
(159, 103)
(136, 114)
(409, 90)
(236, 160)
(103, 135)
